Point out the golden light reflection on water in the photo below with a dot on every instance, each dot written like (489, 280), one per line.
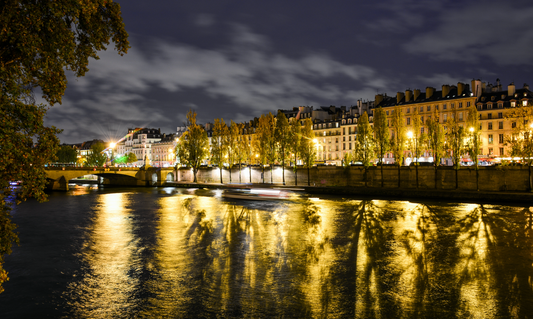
(111, 253)
(312, 258)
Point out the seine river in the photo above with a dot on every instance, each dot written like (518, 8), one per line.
(186, 253)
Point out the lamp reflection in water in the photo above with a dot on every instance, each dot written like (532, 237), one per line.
(111, 253)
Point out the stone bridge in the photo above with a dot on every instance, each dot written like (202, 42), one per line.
(58, 177)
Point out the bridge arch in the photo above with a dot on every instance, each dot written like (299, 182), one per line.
(170, 177)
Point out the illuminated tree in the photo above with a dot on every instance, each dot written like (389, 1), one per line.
(194, 143)
(521, 139)
(131, 158)
(265, 143)
(307, 147)
(455, 135)
(381, 131)
(235, 153)
(474, 141)
(247, 148)
(97, 157)
(295, 138)
(219, 145)
(39, 40)
(364, 143)
(414, 139)
(66, 154)
(435, 139)
(398, 138)
(281, 135)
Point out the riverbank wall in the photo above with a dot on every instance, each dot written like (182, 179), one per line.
(489, 179)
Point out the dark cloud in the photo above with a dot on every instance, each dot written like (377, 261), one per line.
(236, 60)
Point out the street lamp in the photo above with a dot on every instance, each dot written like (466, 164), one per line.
(170, 155)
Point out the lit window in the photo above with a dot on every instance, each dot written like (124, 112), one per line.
(524, 103)
(490, 139)
(513, 104)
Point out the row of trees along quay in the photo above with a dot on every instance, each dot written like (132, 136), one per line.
(277, 140)
(39, 41)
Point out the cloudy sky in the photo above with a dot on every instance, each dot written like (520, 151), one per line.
(238, 59)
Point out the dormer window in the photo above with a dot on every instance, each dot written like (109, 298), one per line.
(493, 98)
(524, 103)
(513, 104)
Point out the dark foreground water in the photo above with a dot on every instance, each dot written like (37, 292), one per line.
(142, 253)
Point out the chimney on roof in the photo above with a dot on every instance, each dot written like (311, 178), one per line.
(408, 95)
(445, 90)
(399, 97)
(476, 87)
(460, 88)
(429, 92)
(526, 86)
(378, 99)
(511, 89)
(416, 94)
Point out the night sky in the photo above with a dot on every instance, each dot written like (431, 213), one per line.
(238, 59)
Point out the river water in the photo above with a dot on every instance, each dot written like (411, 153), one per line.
(186, 253)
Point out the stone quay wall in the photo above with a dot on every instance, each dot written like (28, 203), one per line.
(508, 178)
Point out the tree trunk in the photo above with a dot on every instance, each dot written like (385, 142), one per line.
(416, 169)
(436, 176)
(229, 169)
(381, 174)
(295, 175)
(456, 178)
(220, 170)
(530, 181)
(250, 171)
(364, 177)
(240, 173)
(308, 177)
(194, 171)
(399, 175)
(283, 171)
(271, 168)
(263, 174)
(477, 177)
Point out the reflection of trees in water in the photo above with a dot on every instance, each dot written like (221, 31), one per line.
(427, 251)
(318, 258)
(494, 273)
(362, 269)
